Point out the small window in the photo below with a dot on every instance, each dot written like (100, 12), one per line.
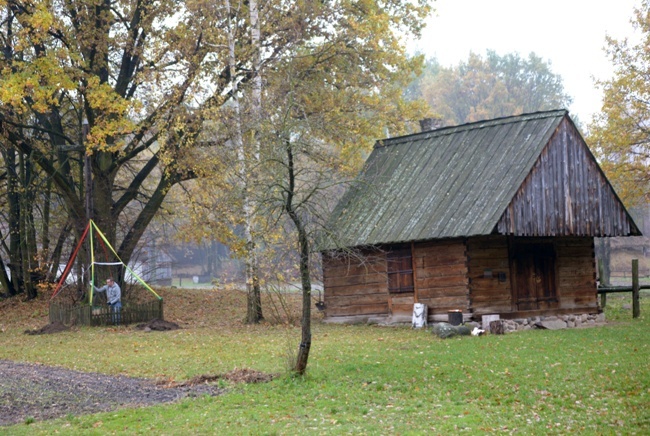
(400, 271)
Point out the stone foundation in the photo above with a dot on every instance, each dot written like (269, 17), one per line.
(553, 322)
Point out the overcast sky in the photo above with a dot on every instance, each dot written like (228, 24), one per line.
(568, 33)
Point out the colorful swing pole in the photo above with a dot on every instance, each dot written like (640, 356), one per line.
(68, 266)
(108, 244)
(92, 225)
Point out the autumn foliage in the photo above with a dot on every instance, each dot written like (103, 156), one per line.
(619, 134)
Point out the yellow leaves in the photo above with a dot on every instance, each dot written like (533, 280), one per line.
(41, 21)
(113, 120)
(40, 81)
(618, 134)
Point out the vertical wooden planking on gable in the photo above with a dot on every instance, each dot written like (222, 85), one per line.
(565, 194)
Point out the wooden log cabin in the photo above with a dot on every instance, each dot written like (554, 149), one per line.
(493, 217)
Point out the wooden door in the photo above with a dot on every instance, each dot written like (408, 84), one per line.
(534, 276)
(400, 271)
(400, 281)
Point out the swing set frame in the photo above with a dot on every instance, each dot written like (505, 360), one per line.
(88, 312)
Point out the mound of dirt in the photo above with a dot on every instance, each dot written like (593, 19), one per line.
(55, 327)
(243, 375)
(158, 325)
(246, 375)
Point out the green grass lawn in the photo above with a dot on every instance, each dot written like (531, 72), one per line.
(368, 379)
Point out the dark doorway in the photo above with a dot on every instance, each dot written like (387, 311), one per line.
(534, 277)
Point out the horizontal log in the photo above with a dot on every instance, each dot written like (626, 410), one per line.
(579, 267)
(490, 310)
(486, 301)
(576, 281)
(585, 259)
(368, 309)
(576, 292)
(441, 282)
(356, 300)
(374, 288)
(587, 252)
(478, 265)
(402, 309)
(447, 244)
(352, 270)
(490, 292)
(459, 269)
(402, 299)
(488, 253)
(425, 257)
(442, 292)
(489, 282)
(573, 292)
(574, 242)
(487, 242)
(354, 280)
(586, 298)
(439, 260)
(454, 302)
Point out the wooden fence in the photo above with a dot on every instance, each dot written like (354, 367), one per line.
(85, 314)
(634, 289)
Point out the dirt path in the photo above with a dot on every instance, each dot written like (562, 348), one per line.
(43, 392)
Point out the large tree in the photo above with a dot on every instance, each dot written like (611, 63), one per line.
(494, 86)
(620, 134)
(107, 100)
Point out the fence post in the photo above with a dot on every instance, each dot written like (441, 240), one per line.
(601, 274)
(636, 309)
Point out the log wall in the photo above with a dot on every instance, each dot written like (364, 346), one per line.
(453, 275)
(488, 294)
(441, 280)
(576, 268)
(355, 285)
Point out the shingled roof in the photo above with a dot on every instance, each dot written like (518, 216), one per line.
(460, 181)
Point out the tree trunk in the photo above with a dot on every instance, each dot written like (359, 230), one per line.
(254, 314)
(305, 323)
(26, 230)
(45, 225)
(15, 261)
(254, 301)
(305, 278)
(55, 257)
(5, 281)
